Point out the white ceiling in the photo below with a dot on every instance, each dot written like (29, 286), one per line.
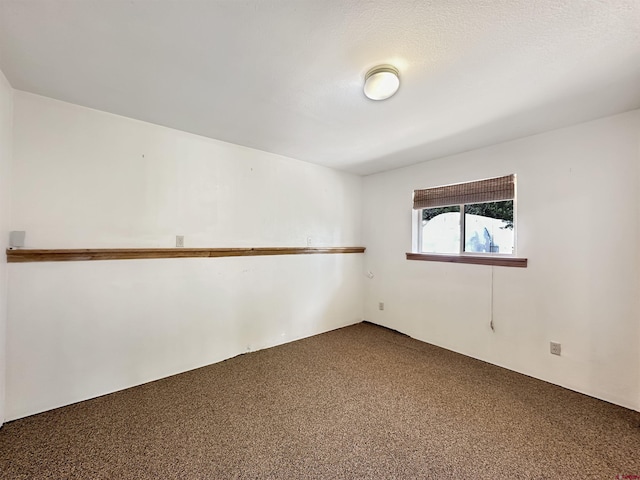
(286, 76)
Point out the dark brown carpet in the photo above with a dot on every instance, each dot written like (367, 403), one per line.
(359, 402)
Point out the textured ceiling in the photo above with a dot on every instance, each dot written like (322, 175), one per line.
(286, 76)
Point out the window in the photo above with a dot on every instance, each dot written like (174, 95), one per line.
(466, 219)
(485, 227)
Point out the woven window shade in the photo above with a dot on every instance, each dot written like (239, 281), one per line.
(490, 190)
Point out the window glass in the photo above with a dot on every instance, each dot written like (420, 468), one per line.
(440, 230)
(488, 227)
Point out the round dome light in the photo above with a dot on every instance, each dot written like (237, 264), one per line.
(381, 82)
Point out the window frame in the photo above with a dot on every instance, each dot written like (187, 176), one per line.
(461, 250)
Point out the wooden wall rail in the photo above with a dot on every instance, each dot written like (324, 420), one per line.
(83, 254)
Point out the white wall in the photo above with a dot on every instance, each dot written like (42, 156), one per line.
(84, 178)
(581, 289)
(6, 137)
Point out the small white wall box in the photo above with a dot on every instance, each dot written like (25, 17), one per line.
(16, 239)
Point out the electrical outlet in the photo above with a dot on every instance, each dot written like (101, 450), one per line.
(309, 241)
(180, 241)
(555, 348)
(381, 306)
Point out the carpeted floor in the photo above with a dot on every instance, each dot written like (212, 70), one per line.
(359, 402)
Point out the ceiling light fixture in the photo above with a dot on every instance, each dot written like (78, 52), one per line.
(381, 82)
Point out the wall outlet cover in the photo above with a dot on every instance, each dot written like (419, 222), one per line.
(16, 239)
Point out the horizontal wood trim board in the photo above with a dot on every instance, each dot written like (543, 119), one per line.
(83, 254)
(497, 261)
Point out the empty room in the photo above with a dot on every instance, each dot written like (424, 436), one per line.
(288, 239)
